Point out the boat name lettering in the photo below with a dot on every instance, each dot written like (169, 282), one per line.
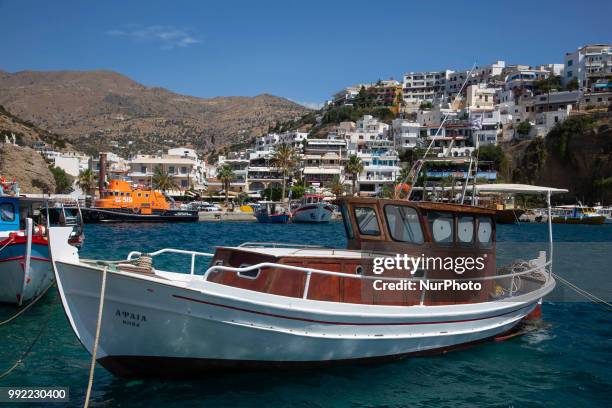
(130, 318)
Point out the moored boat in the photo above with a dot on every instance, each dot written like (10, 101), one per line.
(312, 208)
(286, 306)
(25, 265)
(605, 212)
(269, 212)
(576, 214)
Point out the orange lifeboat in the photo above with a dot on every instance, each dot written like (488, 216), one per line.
(119, 195)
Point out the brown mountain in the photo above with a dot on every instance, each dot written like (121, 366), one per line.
(93, 108)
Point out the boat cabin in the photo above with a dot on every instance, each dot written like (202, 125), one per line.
(9, 215)
(376, 229)
(119, 194)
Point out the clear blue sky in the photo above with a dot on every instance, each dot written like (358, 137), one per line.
(303, 50)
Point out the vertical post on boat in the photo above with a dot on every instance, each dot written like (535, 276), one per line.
(28, 254)
(467, 179)
(550, 235)
(307, 285)
(192, 263)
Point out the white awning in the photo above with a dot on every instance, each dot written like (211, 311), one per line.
(321, 170)
(517, 189)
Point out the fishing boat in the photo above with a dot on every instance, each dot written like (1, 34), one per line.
(576, 214)
(312, 208)
(606, 212)
(270, 212)
(285, 306)
(25, 266)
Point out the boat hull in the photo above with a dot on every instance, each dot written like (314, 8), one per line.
(95, 215)
(17, 287)
(313, 213)
(272, 219)
(157, 327)
(509, 216)
(597, 220)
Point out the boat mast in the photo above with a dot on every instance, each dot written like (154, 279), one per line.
(416, 168)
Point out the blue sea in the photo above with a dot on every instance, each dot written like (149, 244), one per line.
(566, 362)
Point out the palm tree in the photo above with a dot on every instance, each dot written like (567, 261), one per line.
(87, 181)
(226, 174)
(336, 187)
(354, 166)
(285, 159)
(163, 181)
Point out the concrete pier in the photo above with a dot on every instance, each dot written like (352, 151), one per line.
(226, 216)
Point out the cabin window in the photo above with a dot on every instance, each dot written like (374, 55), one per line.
(146, 195)
(8, 212)
(404, 224)
(139, 194)
(465, 230)
(485, 231)
(441, 226)
(367, 221)
(348, 227)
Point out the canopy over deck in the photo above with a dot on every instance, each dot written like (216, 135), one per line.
(517, 189)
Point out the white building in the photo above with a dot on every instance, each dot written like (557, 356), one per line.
(588, 64)
(480, 96)
(419, 87)
(366, 128)
(406, 133)
(187, 171)
(380, 166)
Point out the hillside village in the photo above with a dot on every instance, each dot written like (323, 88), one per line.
(367, 135)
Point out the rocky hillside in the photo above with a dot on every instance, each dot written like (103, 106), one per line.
(94, 108)
(28, 167)
(576, 155)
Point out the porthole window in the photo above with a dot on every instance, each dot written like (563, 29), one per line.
(441, 226)
(465, 230)
(485, 231)
(359, 270)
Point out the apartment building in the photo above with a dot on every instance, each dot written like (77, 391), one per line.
(186, 169)
(480, 97)
(366, 128)
(405, 133)
(419, 87)
(380, 166)
(323, 160)
(589, 65)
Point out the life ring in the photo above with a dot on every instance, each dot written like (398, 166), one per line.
(39, 230)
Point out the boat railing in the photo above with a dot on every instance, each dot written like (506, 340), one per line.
(276, 245)
(542, 267)
(132, 255)
(511, 277)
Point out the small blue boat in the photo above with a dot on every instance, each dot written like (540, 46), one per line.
(272, 212)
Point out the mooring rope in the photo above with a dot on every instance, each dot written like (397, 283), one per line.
(7, 244)
(27, 351)
(96, 339)
(26, 307)
(582, 292)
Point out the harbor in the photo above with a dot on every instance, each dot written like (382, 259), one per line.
(245, 205)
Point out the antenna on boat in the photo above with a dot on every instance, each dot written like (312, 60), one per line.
(418, 165)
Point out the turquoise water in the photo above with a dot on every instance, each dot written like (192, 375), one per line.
(565, 363)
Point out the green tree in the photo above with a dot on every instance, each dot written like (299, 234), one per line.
(493, 154)
(87, 181)
(354, 166)
(163, 181)
(547, 85)
(62, 180)
(362, 99)
(523, 128)
(297, 191)
(426, 106)
(572, 85)
(226, 174)
(285, 160)
(336, 186)
(242, 197)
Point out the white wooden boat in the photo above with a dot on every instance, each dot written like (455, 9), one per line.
(285, 306)
(312, 209)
